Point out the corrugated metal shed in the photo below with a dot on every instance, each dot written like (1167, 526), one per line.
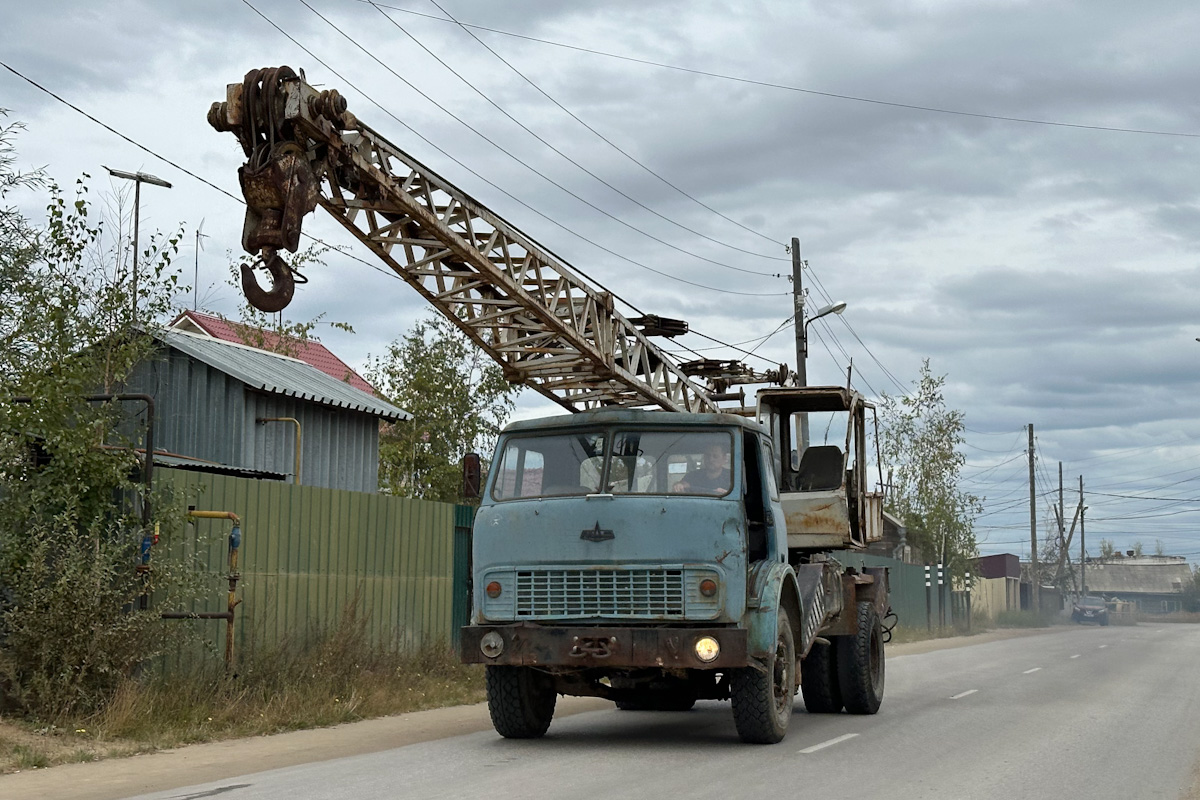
(211, 400)
(276, 374)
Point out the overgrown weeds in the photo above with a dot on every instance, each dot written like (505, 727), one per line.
(339, 676)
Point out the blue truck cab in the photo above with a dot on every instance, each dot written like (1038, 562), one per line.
(642, 556)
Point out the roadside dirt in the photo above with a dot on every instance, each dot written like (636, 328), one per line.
(116, 778)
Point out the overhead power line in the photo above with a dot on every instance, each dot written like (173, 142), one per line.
(800, 89)
(572, 161)
(467, 29)
(516, 158)
(498, 188)
(235, 198)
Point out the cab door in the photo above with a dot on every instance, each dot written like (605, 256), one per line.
(760, 495)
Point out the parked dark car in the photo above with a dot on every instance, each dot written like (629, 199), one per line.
(1090, 609)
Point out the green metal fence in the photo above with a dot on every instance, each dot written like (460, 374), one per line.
(310, 554)
(907, 582)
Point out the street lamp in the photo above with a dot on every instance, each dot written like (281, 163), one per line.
(138, 179)
(802, 354)
(802, 336)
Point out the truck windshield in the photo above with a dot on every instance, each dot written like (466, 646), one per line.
(540, 466)
(662, 462)
(641, 462)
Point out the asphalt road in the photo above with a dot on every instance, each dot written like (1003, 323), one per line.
(1082, 712)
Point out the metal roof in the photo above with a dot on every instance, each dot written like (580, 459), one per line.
(172, 461)
(278, 374)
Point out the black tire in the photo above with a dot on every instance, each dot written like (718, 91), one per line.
(762, 701)
(819, 680)
(520, 700)
(860, 662)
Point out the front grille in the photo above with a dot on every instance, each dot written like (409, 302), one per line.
(587, 593)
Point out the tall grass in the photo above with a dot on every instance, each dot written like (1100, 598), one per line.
(321, 678)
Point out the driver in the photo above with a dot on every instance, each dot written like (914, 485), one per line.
(713, 475)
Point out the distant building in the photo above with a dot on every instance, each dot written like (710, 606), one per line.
(213, 400)
(997, 585)
(894, 543)
(1154, 583)
(310, 351)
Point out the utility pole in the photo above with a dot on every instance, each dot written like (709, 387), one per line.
(1034, 580)
(1062, 510)
(801, 333)
(138, 179)
(802, 323)
(199, 246)
(1082, 547)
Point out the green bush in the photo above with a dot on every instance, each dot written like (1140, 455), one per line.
(71, 629)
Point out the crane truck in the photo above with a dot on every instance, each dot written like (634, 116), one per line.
(652, 547)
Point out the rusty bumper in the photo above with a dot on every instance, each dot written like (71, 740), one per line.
(587, 647)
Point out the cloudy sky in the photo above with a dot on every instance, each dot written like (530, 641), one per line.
(1006, 188)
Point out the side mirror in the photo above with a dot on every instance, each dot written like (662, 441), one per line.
(472, 471)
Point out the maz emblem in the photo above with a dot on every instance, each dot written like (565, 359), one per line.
(596, 534)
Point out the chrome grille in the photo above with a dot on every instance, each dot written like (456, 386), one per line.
(616, 593)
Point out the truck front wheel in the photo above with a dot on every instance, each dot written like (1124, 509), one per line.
(520, 700)
(762, 701)
(860, 662)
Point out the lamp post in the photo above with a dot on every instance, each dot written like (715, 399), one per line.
(138, 179)
(802, 356)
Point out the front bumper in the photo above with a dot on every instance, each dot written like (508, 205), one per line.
(529, 645)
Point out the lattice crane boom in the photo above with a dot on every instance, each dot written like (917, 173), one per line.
(547, 327)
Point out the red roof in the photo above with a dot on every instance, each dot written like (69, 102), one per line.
(310, 351)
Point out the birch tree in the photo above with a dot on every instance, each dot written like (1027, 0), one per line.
(919, 440)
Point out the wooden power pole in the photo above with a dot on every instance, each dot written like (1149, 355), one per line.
(1034, 579)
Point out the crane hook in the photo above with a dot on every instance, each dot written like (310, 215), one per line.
(283, 282)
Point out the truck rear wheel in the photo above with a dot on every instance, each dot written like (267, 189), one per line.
(520, 700)
(860, 662)
(762, 701)
(819, 680)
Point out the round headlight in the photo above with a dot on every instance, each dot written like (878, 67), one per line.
(492, 644)
(708, 587)
(493, 589)
(707, 649)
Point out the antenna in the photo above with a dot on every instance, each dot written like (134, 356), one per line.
(196, 281)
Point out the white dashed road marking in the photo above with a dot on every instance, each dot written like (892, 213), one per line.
(961, 695)
(1075, 656)
(1026, 672)
(1103, 646)
(829, 743)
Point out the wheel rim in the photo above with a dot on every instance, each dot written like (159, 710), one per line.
(780, 678)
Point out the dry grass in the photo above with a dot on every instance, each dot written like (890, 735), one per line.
(28, 746)
(902, 634)
(336, 679)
